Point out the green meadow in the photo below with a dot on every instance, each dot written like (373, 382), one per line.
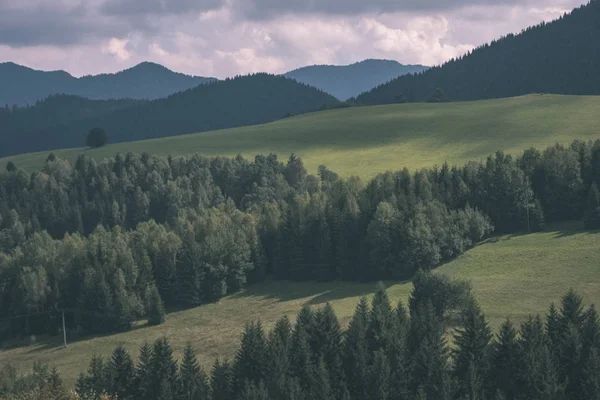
(365, 141)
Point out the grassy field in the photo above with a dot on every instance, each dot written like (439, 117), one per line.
(511, 275)
(367, 140)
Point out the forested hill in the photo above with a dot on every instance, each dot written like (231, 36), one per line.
(21, 85)
(560, 57)
(345, 81)
(19, 124)
(245, 100)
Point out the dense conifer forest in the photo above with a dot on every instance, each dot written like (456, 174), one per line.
(64, 121)
(559, 57)
(126, 239)
(386, 353)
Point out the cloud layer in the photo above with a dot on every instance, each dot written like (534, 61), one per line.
(229, 37)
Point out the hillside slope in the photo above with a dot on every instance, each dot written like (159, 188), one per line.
(559, 57)
(21, 85)
(511, 275)
(242, 101)
(346, 81)
(365, 141)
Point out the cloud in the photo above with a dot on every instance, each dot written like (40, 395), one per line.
(157, 7)
(118, 48)
(223, 37)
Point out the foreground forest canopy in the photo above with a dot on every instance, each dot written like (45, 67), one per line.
(558, 57)
(387, 353)
(119, 241)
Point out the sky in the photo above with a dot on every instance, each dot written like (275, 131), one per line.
(221, 38)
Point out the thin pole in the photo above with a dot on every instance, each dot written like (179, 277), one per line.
(64, 330)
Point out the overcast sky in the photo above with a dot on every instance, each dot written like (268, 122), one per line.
(227, 37)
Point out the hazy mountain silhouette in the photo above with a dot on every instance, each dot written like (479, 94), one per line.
(22, 85)
(345, 81)
(561, 57)
(245, 100)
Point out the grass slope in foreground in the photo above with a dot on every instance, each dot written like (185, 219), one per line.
(511, 275)
(365, 141)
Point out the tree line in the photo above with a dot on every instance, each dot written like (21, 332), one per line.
(127, 238)
(557, 57)
(386, 353)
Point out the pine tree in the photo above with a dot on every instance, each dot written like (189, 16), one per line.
(553, 328)
(193, 380)
(278, 360)
(379, 377)
(319, 382)
(429, 352)
(142, 375)
(163, 371)
(55, 384)
(155, 308)
(398, 355)
(381, 321)
(503, 372)
(300, 356)
(250, 362)
(222, 381)
(355, 352)
(327, 334)
(121, 373)
(471, 352)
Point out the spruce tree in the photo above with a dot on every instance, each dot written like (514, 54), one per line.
(193, 380)
(327, 336)
(155, 309)
(355, 351)
(379, 377)
(251, 362)
(429, 352)
(320, 388)
(300, 356)
(221, 381)
(121, 373)
(471, 352)
(503, 372)
(278, 360)
(142, 375)
(381, 320)
(163, 371)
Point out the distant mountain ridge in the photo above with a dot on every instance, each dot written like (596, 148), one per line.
(63, 121)
(346, 81)
(560, 57)
(22, 85)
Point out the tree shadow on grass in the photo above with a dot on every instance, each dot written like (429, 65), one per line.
(315, 292)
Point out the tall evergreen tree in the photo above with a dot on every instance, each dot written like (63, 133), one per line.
(222, 381)
(250, 362)
(381, 321)
(163, 371)
(379, 377)
(193, 380)
(471, 353)
(154, 308)
(355, 352)
(504, 365)
(121, 373)
(143, 373)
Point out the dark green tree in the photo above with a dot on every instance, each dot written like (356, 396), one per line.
(221, 381)
(96, 137)
(193, 379)
(155, 310)
(121, 373)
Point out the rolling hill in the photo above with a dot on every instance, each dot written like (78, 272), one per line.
(365, 141)
(506, 273)
(22, 85)
(560, 57)
(346, 81)
(242, 101)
